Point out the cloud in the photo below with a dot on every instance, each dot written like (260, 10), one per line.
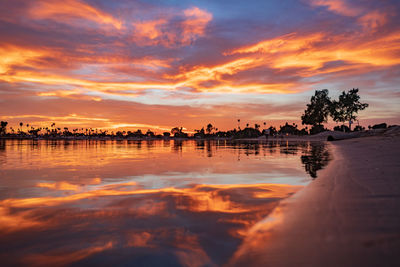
(368, 17)
(93, 52)
(313, 51)
(71, 12)
(341, 7)
(195, 23)
(172, 29)
(374, 19)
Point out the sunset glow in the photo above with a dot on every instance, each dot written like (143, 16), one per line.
(139, 64)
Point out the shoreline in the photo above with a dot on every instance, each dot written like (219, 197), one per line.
(323, 136)
(348, 216)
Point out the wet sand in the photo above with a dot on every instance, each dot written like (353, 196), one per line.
(348, 216)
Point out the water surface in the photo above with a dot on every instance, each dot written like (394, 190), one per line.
(142, 203)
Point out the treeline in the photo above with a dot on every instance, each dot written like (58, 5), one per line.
(321, 107)
(26, 131)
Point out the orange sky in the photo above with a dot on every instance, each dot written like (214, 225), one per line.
(141, 65)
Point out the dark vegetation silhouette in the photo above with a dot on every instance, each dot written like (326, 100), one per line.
(317, 112)
(346, 108)
(316, 159)
(3, 126)
(343, 110)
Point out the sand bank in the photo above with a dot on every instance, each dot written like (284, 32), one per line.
(348, 216)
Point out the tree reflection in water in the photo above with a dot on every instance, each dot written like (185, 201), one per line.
(316, 158)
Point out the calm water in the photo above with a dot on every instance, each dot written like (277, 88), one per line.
(148, 203)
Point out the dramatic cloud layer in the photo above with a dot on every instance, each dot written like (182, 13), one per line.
(140, 65)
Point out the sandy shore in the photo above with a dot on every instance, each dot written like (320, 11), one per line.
(348, 216)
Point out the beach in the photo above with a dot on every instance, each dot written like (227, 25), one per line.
(348, 216)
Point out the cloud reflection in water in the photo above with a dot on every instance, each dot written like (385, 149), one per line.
(104, 220)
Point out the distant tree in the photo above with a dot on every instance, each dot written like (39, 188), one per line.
(209, 128)
(318, 110)
(346, 108)
(199, 133)
(149, 133)
(272, 130)
(341, 128)
(176, 130)
(359, 128)
(138, 133)
(288, 129)
(34, 132)
(248, 132)
(3, 126)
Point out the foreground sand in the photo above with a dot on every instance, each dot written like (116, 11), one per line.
(348, 216)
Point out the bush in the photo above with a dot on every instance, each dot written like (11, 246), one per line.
(317, 129)
(248, 133)
(341, 128)
(359, 128)
(380, 126)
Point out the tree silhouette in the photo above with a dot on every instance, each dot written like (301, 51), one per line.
(3, 126)
(175, 130)
(209, 128)
(318, 110)
(346, 108)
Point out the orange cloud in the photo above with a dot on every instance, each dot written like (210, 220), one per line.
(195, 23)
(195, 77)
(373, 20)
(368, 19)
(285, 43)
(313, 51)
(232, 209)
(54, 258)
(203, 199)
(75, 120)
(165, 32)
(59, 186)
(149, 29)
(67, 10)
(14, 56)
(338, 6)
(10, 222)
(305, 55)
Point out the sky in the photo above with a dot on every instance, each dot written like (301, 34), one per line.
(159, 64)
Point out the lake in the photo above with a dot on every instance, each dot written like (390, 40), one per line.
(142, 203)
